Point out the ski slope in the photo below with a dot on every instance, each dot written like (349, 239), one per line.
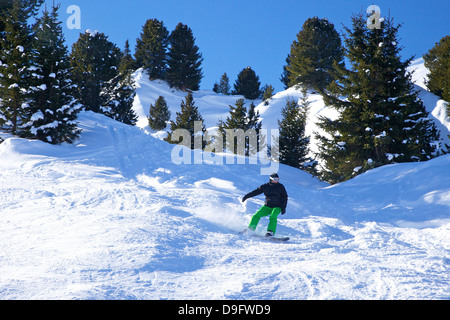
(111, 217)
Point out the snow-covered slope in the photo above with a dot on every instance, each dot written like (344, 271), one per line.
(111, 217)
(436, 106)
(214, 107)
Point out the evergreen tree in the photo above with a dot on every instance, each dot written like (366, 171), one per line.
(312, 56)
(184, 60)
(286, 74)
(53, 110)
(247, 84)
(253, 119)
(117, 98)
(437, 60)
(236, 120)
(118, 94)
(151, 49)
(186, 120)
(216, 87)
(382, 120)
(240, 120)
(293, 142)
(5, 5)
(254, 123)
(16, 65)
(268, 91)
(95, 61)
(127, 63)
(224, 85)
(159, 114)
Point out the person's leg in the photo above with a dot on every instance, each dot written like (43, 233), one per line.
(263, 212)
(273, 220)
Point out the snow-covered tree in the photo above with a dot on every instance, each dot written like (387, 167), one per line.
(16, 65)
(95, 61)
(382, 119)
(117, 99)
(52, 109)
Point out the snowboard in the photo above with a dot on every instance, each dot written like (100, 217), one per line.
(274, 238)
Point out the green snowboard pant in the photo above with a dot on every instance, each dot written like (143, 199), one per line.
(264, 212)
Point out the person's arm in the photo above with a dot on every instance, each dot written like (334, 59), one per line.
(254, 193)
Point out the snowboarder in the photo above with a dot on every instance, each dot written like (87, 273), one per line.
(276, 202)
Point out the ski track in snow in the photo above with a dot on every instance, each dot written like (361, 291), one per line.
(111, 217)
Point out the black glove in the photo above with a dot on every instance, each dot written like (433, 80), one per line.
(245, 198)
(283, 211)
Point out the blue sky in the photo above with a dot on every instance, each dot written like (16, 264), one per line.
(234, 34)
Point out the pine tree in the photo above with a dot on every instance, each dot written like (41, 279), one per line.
(254, 123)
(248, 84)
(16, 65)
(159, 114)
(118, 94)
(312, 55)
(293, 143)
(216, 87)
(240, 120)
(268, 91)
(286, 74)
(127, 63)
(95, 61)
(52, 110)
(5, 5)
(437, 60)
(151, 49)
(186, 120)
(117, 98)
(224, 85)
(382, 120)
(184, 60)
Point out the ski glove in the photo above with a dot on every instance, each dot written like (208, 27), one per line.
(283, 211)
(245, 198)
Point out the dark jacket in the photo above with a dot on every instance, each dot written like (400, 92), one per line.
(276, 195)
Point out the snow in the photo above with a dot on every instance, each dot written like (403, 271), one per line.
(92, 33)
(112, 217)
